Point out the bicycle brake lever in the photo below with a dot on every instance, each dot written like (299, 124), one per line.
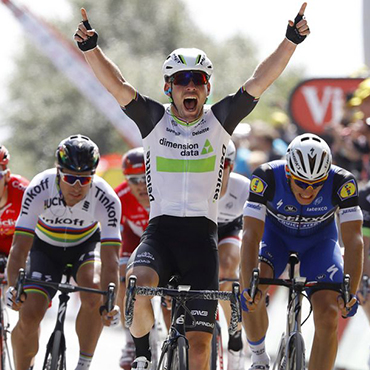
(110, 297)
(254, 283)
(346, 289)
(19, 285)
(365, 286)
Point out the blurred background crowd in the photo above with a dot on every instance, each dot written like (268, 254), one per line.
(348, 137)
(51, 93)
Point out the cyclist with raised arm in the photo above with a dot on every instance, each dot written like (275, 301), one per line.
(185, 145)
(135, 217)
(12, 188)
(67, 213)
(291, 207)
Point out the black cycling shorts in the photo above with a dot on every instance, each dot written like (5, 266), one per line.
(186, 246)
(230, 229)
(47, 262)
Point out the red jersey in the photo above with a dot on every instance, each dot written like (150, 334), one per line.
(9, 213)
(134, 219)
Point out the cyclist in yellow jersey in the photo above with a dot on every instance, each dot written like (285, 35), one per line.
(185, 145)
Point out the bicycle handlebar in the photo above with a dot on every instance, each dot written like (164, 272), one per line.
(64, 288)
(343, 287)
(185, 295)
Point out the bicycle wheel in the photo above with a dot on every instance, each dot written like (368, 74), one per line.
(296, 352)
(280, 361)
(216, 348)
(180, 355)
(55, 352)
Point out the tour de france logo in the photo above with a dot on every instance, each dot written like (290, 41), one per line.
(258, 186)
(348, 190)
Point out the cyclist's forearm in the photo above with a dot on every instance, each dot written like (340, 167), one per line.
(249, 261)
(110, 267)
(110, 76)
(270, 69)
(353, 252)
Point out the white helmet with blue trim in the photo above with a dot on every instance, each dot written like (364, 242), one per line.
(309, 157)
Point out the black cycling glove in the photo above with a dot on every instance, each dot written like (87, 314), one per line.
(292, 33)
(91, 42)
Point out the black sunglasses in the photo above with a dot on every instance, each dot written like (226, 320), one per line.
(184, 78)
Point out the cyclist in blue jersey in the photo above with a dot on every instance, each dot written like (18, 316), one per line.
(67, 213)
(291, 207)
(185, 145)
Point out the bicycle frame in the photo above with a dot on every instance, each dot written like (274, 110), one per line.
(176, 343)
(291, 352)
(177, 330)
(55, 357)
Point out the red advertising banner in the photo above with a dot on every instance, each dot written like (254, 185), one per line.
(317, 102)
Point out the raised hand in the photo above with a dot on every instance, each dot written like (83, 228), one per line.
(85, 36)
(298, 30)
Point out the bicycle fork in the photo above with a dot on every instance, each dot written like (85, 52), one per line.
(294, 341)
(62, 310)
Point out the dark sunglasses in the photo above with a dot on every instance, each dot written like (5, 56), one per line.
(72, 179)
(184, 78)
(136, 180)
(304, 185)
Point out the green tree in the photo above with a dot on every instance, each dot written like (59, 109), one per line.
(44, 107)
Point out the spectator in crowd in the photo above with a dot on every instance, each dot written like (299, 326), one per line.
(12, 188)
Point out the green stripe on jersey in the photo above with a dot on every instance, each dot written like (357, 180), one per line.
(186, 165)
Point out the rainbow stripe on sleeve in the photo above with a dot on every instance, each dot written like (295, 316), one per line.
(114, 242)
(24, 231)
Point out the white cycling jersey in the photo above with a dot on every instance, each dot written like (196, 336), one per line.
(231, 204)
(45, 213)
(187, 176)
(184, 161)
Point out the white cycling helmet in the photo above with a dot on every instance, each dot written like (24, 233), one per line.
(187, 59)
(308, 157)
(230, 152)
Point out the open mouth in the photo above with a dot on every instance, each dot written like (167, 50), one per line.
(190, 104)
